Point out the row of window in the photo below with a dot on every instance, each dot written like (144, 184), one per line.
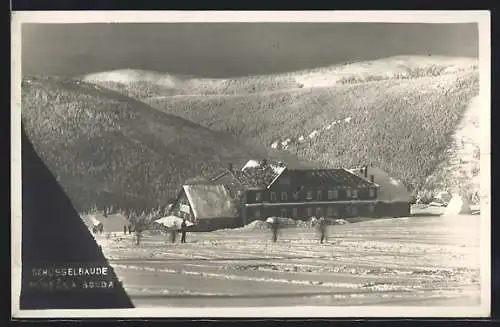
(330, 211)
(331, 195)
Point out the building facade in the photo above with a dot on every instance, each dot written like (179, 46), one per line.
(260, 190)
(264, 190)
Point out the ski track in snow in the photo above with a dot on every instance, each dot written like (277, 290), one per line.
(372, 262)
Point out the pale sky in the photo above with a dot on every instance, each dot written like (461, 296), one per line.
(231, 49)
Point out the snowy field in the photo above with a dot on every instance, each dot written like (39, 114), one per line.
(426, 260)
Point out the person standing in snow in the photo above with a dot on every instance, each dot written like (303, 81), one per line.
(322, 225)
(138, 236)
(173, 234)
(183, 230)
(274, 229)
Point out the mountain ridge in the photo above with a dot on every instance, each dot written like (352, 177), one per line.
(170, 84)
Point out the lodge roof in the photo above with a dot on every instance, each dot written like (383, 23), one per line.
(265, 174)
(339, 177)
(258, 177)
(210, 201)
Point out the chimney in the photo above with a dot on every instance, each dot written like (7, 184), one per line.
(372, 178)
(230, 167)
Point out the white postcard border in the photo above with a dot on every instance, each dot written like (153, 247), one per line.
(482, 18)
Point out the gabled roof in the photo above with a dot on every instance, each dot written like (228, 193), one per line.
(210, 201)
(90, 221)
(111, 223)
(254, 175)
(259, 175)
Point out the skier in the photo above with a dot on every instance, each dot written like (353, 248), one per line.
(183, 230)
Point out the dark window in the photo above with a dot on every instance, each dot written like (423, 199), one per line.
(372, 192)
(309, 212)
(273, 196)
(332, 211)
(319, 195)
(296, 195)
(284, 196)
(371, 208)
(295, 212)
(354, 210)
(348, 193)
(257, 214)
(283, 212)
(333, 194)
(258, 196)
(319, 211)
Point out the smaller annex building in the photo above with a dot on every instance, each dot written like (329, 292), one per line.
(107, 224)
(207, 206)
(393, 198)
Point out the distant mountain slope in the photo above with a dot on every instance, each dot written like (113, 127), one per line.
(142, 83)
(459, 172)
(397, 113)
(107, 149)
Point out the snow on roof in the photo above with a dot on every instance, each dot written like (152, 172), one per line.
(170, 221)
(210, 201)
(390, 188)
(258, 174)
(112, 223)
(93, 220)
(90, 221)
(251, 164)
